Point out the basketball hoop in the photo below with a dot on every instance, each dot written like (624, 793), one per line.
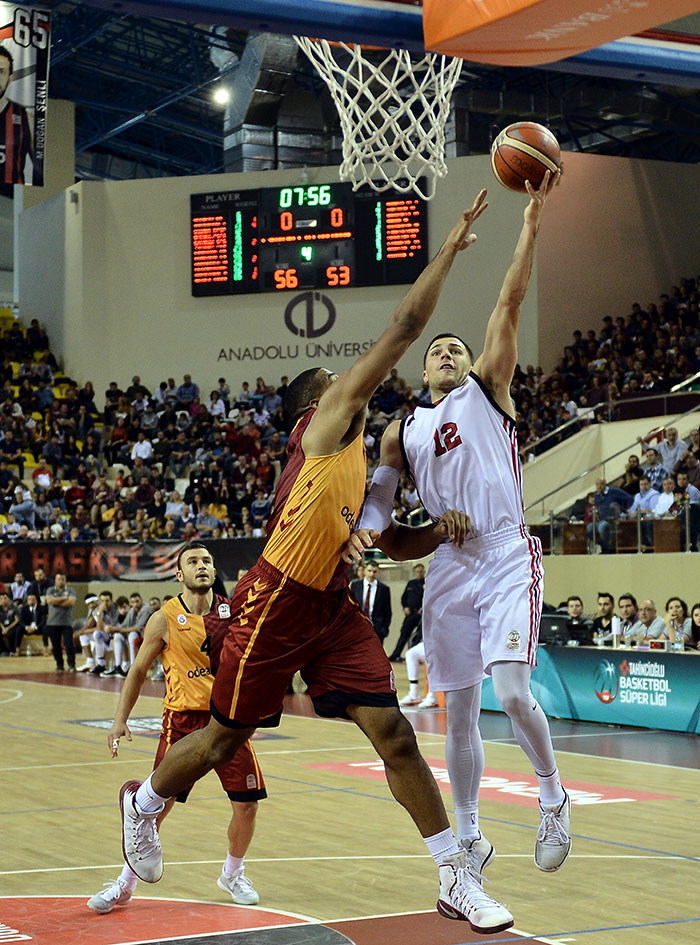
(392, 113)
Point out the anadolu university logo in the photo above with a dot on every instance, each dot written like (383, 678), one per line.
(635, 683)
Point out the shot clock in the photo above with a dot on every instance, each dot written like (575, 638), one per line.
(315, 236)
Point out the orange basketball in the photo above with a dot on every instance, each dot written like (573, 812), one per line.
(524, 151)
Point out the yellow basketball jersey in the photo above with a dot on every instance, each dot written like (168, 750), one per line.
(317, 501)
(188, 677)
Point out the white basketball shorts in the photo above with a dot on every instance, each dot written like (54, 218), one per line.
(482, 605)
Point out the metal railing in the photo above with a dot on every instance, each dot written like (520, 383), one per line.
(602, 463)
(609, 407)
(553, 538)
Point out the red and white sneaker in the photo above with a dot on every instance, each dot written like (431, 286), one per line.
(462, 898)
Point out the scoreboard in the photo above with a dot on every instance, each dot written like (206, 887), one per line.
(315, 236)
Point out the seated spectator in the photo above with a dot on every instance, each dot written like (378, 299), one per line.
(606, 626)
(42, 477)
(11, 452)
(695, 627)
(186, 392)
(53, 453)
(19, 588)
(260, 508)
(265, 471)
(117, 448)
(180, 455)
(578, 627)
(173, 507)
(627, 605)
(654, 469)
(186, 516)
(216, 405)
(649, 626)
(23, 506)
(679, 626)
(206, 523)
(74, 494)
(666, 498)
(610, 503)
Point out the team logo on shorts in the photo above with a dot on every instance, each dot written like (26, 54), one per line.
(250, 782)
(182, 619)
(513, 640)
(224, 611)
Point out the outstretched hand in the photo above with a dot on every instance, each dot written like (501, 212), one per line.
(453, 527)
(461, 237)
(539, 196)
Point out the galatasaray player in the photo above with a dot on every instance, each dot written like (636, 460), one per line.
(293, 611)
(185, 633)
(482, 603)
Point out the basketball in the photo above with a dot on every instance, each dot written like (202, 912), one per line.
(524, 151)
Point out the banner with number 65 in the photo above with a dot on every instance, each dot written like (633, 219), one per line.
(24, 92)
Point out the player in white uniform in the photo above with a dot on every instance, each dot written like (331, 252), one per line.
(483, 600)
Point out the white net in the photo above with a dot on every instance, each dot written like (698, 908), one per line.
(392, 112)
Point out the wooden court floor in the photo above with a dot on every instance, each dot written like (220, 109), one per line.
(334, 858)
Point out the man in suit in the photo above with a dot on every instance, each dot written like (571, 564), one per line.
(374, 599)
(412, 603)
(32, 619)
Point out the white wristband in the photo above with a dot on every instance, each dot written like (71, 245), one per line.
(376, 512)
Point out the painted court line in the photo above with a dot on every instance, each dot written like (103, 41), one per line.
(317, 859)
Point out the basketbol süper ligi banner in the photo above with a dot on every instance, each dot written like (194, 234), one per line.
(24, 92)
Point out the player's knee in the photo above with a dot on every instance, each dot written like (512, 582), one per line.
(398, 741)
(514, 704)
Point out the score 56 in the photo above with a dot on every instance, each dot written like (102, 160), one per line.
(289, 278)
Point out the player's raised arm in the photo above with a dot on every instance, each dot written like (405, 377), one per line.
(497, 362)
(340, 413)
(155, 638)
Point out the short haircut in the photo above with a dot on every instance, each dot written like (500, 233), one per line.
(645, 478)
(59, 572)
(189, 546)
(302, 390)
(608, 595)
(8, 55)
(121, 601)
(628, 597)
(106, 594)
(574, 597)
(447, 334)
(650, 449)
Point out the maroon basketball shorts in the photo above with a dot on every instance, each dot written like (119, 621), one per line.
(241, 777)
(279, 626)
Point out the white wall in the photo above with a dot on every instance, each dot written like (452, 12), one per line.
(110, 273)
(624, 231)
(110, 277)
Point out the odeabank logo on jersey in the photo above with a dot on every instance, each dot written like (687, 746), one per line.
(199, 671)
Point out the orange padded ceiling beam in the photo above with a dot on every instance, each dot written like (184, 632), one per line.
(531, 32)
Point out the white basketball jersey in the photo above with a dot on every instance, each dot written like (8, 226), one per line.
(463, 454)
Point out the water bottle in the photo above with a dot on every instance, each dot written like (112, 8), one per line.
(28, 649)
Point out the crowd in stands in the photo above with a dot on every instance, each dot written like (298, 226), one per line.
(180, 462)
(635, 624)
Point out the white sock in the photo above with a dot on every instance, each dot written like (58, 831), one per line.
(469, 826)
(442, 844)
(128, 877)
(147, 800)
(413, 688)
(551, 790)
(232, 864)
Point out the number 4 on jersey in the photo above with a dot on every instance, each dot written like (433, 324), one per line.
(446, 438)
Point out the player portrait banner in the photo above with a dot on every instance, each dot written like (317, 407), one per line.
(120, 561)
(24, 93)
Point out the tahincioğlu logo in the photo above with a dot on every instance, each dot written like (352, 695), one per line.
(606, 680)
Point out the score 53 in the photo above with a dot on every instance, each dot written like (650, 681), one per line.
(289, 278)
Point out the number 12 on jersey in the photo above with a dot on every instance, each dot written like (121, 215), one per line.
(446, 438)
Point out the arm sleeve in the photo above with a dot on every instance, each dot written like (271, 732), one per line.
(376, 512)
